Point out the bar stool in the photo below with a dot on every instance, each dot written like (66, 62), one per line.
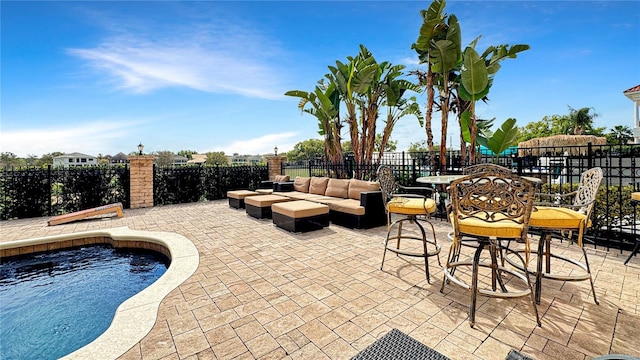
(413, 209)
(556, 220)
(486, 209)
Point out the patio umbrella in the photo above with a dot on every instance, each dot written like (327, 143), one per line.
(573, 144)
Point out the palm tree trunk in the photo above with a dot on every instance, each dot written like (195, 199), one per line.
(429, 116)
(443, 137)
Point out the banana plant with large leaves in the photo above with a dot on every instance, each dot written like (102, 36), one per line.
(445, 57)
(324, 104)
(397, 105)
(476, 78)
(352, 81)
(505, 137)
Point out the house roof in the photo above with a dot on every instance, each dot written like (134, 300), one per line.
(119, 156)
(633, 89)
(633, 93)
(74, 155)
(197, 159)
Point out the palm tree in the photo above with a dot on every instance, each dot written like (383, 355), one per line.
(352, 81)
(433, 28)
(581, 119)
(621, 133)
(364, 86)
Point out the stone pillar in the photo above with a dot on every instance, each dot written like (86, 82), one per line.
(141, 181)
(274, 164)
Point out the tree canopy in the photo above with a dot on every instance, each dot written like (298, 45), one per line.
(577, 122)
(307, 149)
(216, 158)
(619, 134)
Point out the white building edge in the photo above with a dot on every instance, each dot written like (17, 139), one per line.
(634, 95)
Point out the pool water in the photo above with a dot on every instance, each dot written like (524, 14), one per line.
(54, 303)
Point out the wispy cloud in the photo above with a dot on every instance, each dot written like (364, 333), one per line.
(212, 57)
(97, 136)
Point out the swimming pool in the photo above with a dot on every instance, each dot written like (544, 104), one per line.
(56, 302)
(135, 317)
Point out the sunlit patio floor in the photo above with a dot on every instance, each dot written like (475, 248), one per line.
(261, 292)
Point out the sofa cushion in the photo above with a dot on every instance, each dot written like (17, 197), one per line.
(281, 178)
(318, 185)
(296, 195)
(357, 186)
(349, 206)
(338, 188)
(301, 184)
(299, 209)
(240, 194)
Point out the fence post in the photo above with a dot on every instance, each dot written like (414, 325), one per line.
(589, 156)
(141, 181)
(274, 165)
(49, 185)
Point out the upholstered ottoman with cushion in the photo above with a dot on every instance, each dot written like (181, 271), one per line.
(300, 215)
(236, 197)
(260, 206)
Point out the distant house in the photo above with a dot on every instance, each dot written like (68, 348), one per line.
(245, 159)
(179, 160)
(119, 158)
(74, 159)
(197, 159)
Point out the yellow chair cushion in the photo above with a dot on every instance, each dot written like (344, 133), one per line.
(498, 229)
(411, 206)
(635, 196)
(557, 218)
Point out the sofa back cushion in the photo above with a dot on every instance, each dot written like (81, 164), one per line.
(318, 185)
(301, 184)
(281, 178)
(357, 186)
(338, 188)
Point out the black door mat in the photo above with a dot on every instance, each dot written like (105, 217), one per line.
(396, 345)
(514, 355)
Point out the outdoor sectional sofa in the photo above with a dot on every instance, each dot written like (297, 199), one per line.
(352, 203)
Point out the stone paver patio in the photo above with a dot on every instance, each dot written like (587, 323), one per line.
(261, 292)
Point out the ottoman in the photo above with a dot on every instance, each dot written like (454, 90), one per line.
(236, 197)
(260, 206)
(300, 215)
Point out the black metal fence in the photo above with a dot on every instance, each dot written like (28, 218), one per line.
(184, 184)
(558, 167)
(34, 192)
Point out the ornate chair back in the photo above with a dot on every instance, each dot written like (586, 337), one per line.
(585, 197)
(492, 198)
(387, 181)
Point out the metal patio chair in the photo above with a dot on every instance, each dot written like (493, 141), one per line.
(486, 209)
(554, 219)
(412, 208)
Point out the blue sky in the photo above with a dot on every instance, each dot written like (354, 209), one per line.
(100, 77)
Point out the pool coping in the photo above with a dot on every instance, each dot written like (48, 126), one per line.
(136, 316)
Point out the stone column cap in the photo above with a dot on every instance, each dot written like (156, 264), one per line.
(141, 157)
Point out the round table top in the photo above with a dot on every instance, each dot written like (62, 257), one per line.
(440, 179)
